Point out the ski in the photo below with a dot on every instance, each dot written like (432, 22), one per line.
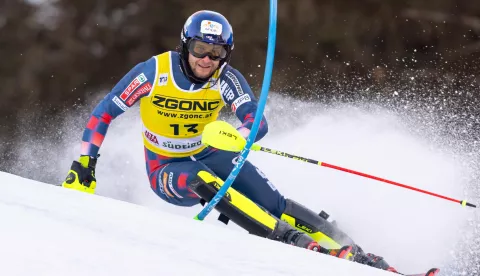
(431, 272)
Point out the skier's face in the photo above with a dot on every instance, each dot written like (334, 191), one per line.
(202, 67)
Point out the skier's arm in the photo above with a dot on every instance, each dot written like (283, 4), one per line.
(131, 88)
(238, 95)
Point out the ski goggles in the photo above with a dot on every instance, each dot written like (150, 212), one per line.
(200, 49)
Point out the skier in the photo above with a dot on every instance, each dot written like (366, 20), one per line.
(179, 93)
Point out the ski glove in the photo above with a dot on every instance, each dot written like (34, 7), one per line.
(81, 176)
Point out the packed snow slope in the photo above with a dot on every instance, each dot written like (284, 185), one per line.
(49, 230)
(412, 231)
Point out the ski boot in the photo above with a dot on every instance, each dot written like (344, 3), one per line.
(342, 253)
(300, 239)
(370, 259)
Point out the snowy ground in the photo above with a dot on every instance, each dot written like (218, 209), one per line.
(413, 231)
(48, 230)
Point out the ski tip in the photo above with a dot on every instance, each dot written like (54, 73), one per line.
(432, 272)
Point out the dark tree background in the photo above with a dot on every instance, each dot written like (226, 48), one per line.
(57, 56)
(57, 53)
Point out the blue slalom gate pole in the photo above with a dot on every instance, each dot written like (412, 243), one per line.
(272, 33)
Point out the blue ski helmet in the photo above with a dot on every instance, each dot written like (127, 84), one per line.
(210, 27)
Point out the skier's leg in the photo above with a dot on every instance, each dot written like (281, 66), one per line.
(183, 182)
(168, 178)
(253, 218)
(250, 181)
(255, 185)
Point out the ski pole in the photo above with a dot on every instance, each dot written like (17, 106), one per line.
(222, 135)
(323, 164)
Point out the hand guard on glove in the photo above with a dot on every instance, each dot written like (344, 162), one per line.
(81, 176)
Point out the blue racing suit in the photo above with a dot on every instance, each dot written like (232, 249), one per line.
(173, 154)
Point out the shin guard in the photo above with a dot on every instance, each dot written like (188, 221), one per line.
(245, 213)
(316, 226)
(234, 205)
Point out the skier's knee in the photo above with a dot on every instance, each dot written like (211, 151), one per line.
(234, 205)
